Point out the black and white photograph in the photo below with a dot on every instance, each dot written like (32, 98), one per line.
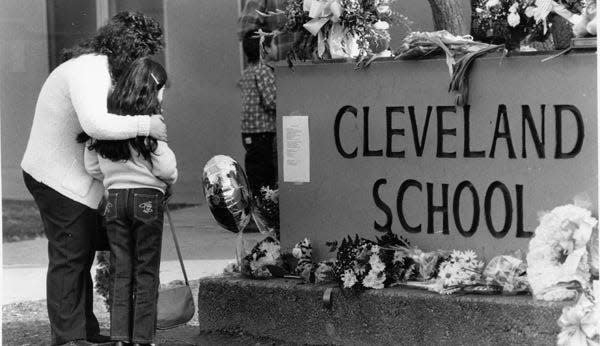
(299, 172)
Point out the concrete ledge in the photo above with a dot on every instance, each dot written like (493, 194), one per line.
(287, 310)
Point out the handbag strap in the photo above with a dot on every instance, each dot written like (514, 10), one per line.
(176, 244)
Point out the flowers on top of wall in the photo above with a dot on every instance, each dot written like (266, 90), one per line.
(513, 22)
(341, 28)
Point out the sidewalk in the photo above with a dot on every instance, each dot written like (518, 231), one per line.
(205, 246)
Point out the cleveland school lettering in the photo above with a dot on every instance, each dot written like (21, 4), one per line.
(390, 150)
(449, 205)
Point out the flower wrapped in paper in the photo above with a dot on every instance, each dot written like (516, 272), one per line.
(507, 272)
(263, 259)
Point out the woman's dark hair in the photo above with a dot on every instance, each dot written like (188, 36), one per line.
(135, 93)
(126, 37)
(251, 45)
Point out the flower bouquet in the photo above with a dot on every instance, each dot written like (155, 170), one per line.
(264, 260)
(362, 263)
(333, 29)
(558, 252)
(513, 22)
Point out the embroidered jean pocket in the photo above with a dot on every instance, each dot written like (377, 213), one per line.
(145, 207)
(110, 206)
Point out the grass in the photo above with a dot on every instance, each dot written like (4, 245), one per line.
(21, 219)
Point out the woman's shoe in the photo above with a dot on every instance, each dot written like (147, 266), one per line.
(99, 339)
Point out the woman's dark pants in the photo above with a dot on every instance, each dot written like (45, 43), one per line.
(134, 222)
(69, 227)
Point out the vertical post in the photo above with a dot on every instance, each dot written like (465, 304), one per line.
(102, 12)
(241, 4)
(450, 15)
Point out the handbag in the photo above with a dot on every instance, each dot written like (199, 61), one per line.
(175, 306)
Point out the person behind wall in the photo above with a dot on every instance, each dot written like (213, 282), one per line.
(258, 114)
(136, 173)
(74, 98)
(250, 21)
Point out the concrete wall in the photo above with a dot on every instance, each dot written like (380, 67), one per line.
(23, 69)
(344, 198)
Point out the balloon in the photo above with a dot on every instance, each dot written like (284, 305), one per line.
(227, 193)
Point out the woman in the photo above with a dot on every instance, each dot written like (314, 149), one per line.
(73, 99)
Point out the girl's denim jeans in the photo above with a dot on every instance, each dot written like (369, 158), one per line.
(134, 223)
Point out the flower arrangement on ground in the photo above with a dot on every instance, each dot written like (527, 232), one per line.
(362, 263)
(391, 261)
(264, 261)
(461, 270)
(558, 252)
(341, 28)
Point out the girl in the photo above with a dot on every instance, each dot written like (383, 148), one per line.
(136, 173)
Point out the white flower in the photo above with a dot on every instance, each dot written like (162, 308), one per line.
(376, 263)
(374, 280)
(513, 8)
(381, 25)
(469, 255)
(513, 19)
(383, 9)
(398, 257)
(349, 278)
(492, 3)
(530, 11)
(579, 324)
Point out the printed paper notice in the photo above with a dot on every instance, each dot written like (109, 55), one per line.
(296, 149)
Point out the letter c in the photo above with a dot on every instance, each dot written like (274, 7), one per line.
(336, 131)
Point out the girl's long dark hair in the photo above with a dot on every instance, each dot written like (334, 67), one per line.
(136, 93)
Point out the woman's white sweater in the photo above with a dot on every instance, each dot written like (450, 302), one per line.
(73, 99)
